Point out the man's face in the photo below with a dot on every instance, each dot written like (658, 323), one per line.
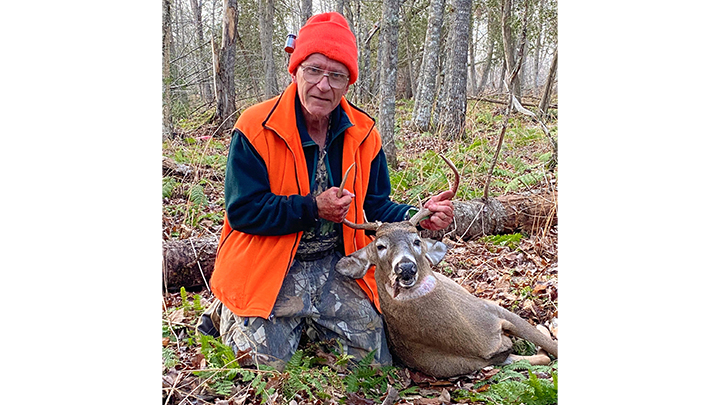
(319, 99)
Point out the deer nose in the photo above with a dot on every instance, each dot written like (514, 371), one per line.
(406, 270)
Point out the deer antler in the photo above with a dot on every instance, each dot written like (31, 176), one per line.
(424, 212)
(342, 183)
(373, 226)
(368, 226)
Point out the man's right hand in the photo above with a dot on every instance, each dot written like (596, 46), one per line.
(331, 207)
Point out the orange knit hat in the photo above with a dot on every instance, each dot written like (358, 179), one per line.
(330, 35)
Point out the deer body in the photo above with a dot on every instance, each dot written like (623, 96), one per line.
(433, 324)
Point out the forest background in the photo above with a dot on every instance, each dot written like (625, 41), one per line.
(83, 114)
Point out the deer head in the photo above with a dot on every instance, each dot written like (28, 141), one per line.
(398, 251)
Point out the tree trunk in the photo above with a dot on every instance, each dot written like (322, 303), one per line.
(225, 66)
(522, 73)
(501, 86)
(471, 59)
(250, 68)
(451, 117)
(545, 101)
(425, 93)
(184, 258)
(365, 78)
(340, 6)
(388, 78)
(536, 73)
(509, 47)
(267, 14)
(488, 64)
(306, 10)
(409, 52)
(167, 127)
(205, 89)
(490, 52)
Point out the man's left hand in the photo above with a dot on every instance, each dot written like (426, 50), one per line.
(442, 211)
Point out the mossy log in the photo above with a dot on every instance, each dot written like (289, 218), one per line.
(505, 214)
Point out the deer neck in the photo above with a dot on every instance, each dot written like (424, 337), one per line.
(422, 287)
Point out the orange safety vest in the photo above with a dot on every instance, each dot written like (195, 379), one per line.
(250, 269)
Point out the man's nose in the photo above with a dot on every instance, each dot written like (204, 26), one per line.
(324, 83)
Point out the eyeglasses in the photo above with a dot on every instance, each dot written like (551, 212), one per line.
(314, 75)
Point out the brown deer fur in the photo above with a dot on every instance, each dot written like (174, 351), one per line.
(434, 325)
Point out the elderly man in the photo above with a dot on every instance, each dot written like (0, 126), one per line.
(274, 274)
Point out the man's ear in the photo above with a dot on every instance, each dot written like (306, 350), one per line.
(356, 264)
(435, 250)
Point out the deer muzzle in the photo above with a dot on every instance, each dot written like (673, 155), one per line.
(406, 272)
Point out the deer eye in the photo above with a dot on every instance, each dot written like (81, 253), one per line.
(416, 242)
(380, 247)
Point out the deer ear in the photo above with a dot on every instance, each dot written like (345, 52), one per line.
(435, 250)
(354, 265)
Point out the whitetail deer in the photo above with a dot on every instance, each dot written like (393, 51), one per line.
(434, 325)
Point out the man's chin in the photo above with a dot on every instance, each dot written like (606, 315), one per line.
(320, 109)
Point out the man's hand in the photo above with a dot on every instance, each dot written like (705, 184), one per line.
(331, 207)
(443, 211)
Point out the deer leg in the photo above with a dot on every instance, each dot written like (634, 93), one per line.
(535, 360)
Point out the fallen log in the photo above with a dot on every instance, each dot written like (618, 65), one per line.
(170, 167)
(490, 100)
(189, 262)
(504, 214)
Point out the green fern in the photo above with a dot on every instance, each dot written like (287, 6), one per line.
(511, 391)
(359, 376)
(168, 186)
(197, 195)
(304, 377)
(523, 347)
(525, 180)
(510, 386)
(170, 358)
(511, 240)
(517, 163)
(543, 392)
(223, 387)
(368, 380)
(518, 365)
(197, 304)
(259, 384)
(218, 355)
(508, 375)
(184, 299)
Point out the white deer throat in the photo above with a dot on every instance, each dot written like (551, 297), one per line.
(420, 289)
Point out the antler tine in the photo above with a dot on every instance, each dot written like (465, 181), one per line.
(456, 183)
(342, 183)
(424, 212)
(368, 226)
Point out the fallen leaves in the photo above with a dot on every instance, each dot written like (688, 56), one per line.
(523, 280)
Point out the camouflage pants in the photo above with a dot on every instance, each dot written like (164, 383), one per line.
(313, 297)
